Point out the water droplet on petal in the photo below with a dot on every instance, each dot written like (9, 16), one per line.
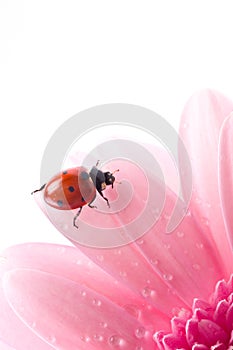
(140, 332)
(132, 310)
(98, 337)
(196, 267)
(86, 338)
(64, 227)
(78, 262)
(115, 340)
(123, 274)
(154, 261)
(199, 245)
(198, 200)
(61, 250)
(117, 252)
(168, 277)
(166, 216)
(205, 221)
(103, 324)
(167, 245)
(52, 339)
(140, 241)
(146, 292)
(100, 257)
(96, 302)
(180, 234)
(83, 293)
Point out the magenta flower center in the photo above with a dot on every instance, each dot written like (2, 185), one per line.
(208, 326)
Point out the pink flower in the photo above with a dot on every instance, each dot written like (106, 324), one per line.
(156, 293)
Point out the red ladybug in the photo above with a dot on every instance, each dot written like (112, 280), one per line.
(76, 187)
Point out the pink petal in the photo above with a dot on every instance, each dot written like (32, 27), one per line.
(168, 271)
(4, 346)
(200, 127)
(69, 315)
(70, 263)
(164, 268)
(226, 174)
(15, 335)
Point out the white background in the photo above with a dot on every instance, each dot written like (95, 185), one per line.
(60, 57)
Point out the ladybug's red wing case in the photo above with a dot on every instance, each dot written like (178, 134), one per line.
(70, 189)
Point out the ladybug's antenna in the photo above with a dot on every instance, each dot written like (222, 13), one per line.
(40, 189)
(115, 171)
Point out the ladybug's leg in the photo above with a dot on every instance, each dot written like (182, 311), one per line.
(75, 217)
(92, 206)
(100, 192)
(98, 161)
(40, 189)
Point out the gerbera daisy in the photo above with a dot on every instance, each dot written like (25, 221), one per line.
(162, 291)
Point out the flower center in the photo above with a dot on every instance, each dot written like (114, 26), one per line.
(208, 326)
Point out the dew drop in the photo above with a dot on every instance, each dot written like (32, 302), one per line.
(168, 277)
(154, 261)
(132, 310)
(205, 221)
(146, 292)
(115, 340)
(96, 302)
(61, 250)
(65, 227)
(188, 213)
(103, 324)
(140, 241)
(100, 257)
(78, 262)
(180, 234)
(140, 332)
(123, 274)
(86, 338)
(167, 245)
(83, 293)
(198, 200)
(199, 245)
(117, 252)
(98, 337)
(52, 339)
(166, 216)
(196, 267)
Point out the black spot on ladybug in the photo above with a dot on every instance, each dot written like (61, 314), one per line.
(83, 200)
(84, 175)
(71, 189)
(59, 203)
(64, 172)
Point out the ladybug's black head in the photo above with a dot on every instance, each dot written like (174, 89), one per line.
(109, 178)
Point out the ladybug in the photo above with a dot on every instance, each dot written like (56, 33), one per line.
(76, 187)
